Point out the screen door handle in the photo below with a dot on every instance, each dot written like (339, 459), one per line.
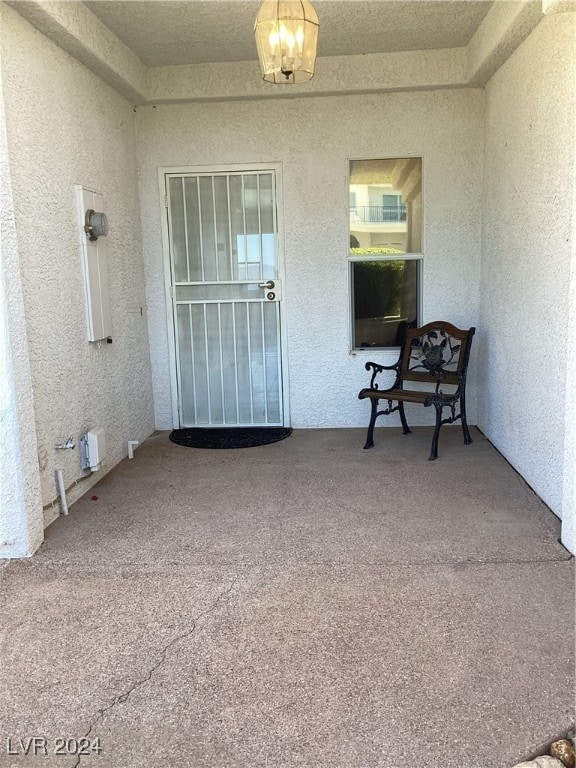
(269, 285)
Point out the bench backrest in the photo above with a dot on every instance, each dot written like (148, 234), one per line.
(436, 353)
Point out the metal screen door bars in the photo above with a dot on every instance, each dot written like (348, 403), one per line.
(225, 293)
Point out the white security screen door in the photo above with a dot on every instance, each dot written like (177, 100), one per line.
(225, 287)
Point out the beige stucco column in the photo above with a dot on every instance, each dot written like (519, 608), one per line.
(569, 474)
(21, 518)
(569, 470)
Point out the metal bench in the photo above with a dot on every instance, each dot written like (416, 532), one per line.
(435, 355)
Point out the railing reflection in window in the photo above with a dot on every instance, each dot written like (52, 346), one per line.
(377, 213)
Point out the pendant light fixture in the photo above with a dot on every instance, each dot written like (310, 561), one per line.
(286, 36)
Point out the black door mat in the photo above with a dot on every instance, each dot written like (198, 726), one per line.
(230, 437)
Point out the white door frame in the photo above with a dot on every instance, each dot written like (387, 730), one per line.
(170, 300)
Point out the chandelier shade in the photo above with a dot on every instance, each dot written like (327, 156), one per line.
(286, 34)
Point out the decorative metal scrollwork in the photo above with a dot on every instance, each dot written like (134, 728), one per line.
(435, 352)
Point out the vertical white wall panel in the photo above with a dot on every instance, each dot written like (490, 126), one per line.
(94, 258)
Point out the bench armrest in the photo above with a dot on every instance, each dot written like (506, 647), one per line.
(377, 368)
(447, 397)
(438, 397)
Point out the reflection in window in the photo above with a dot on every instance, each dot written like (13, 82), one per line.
(385, 224)
(255, 256)
(385, 297)
(386, 203)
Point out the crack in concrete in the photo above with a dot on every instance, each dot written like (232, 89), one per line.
(120, 699)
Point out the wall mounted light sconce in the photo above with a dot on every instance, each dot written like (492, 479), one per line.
(95, 224)
(286, 34)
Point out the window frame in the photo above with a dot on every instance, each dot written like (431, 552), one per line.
(419, 257)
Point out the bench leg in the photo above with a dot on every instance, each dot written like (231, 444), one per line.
(405, 427)
(465, 430)
(434, 448)
(373, 415)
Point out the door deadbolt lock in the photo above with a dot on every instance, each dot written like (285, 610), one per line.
(270, 284)
(271, 295)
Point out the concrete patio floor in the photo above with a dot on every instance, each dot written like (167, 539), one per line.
(300, 604)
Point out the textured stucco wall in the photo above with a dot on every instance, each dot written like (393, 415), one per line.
(21, 520)
(313, 138)
(66, 127)
(569, 484)
(527, 210)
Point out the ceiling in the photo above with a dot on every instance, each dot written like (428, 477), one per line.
(167, 32)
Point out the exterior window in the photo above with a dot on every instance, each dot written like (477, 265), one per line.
(385, 249)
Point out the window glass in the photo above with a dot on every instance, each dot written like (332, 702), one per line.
(385, 198)
(385, 301)
(386, 203)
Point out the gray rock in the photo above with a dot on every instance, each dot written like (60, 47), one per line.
(548, 762)
(541, 762)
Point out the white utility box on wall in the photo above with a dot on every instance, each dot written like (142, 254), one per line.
(94, 449)
(95, 267)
